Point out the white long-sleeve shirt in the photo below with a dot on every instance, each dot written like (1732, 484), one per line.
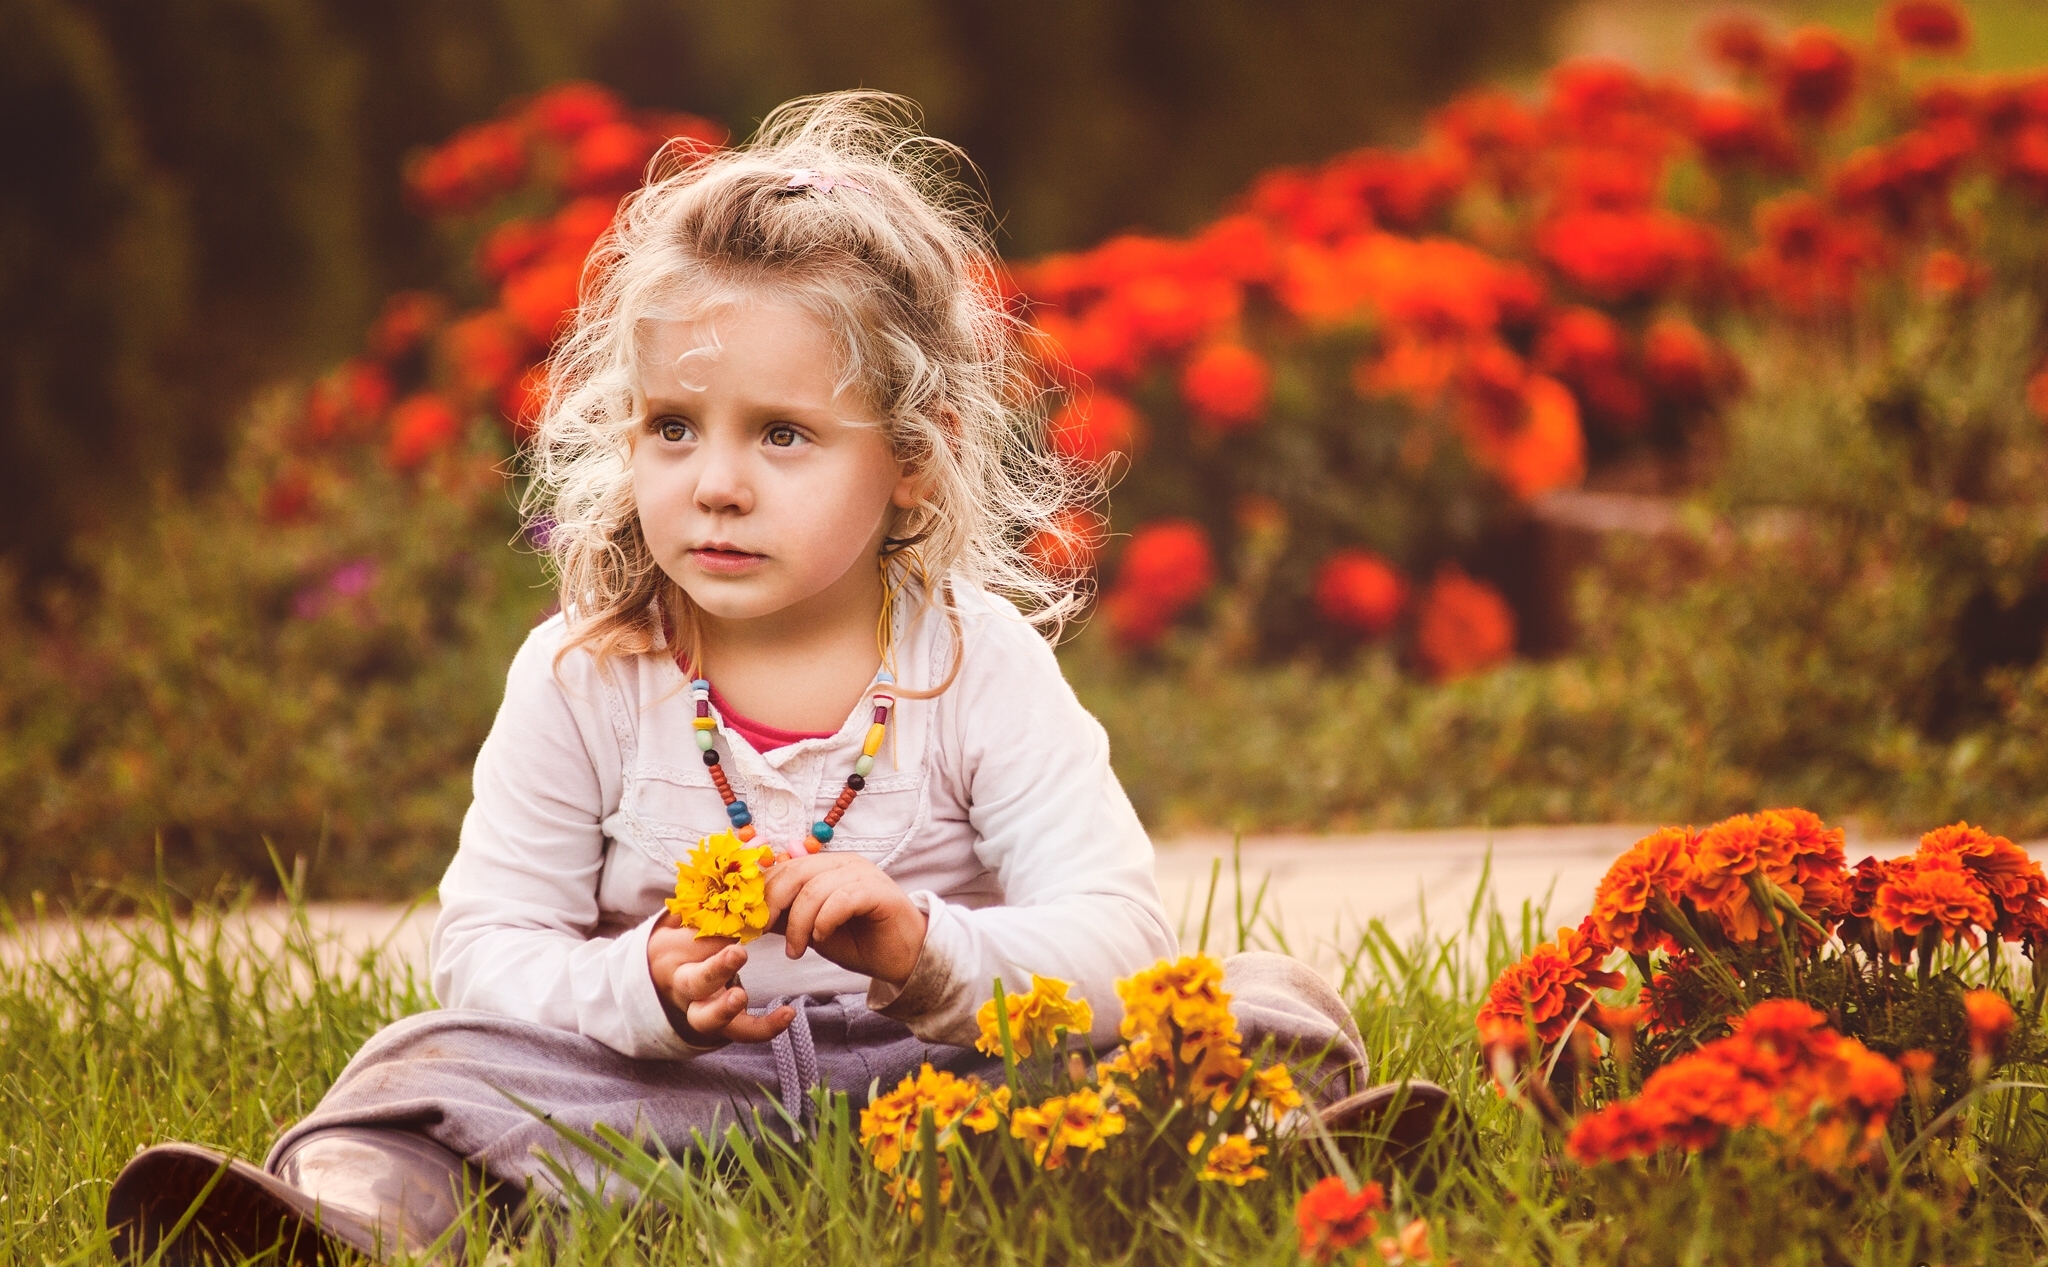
(993, 805)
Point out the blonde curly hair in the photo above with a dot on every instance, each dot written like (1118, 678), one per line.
(887, 248)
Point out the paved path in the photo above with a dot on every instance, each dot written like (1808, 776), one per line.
(1321, 892)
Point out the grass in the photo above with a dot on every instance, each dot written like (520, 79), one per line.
(175, 1023)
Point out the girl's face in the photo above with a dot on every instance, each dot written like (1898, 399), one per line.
(761, 487)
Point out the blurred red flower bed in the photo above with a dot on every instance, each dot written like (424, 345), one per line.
(1401, 349)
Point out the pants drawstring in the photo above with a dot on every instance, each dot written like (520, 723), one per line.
(796, 1061)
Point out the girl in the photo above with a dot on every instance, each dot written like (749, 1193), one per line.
(789, 455)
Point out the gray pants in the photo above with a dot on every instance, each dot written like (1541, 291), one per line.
(450, 1075)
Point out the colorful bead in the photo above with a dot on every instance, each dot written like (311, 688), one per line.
(710, 755)
(705, 739)
(737, 812)
(744, 832)
(813, 845)
(704, 722)
(864, 765)
(883, 700)
(873, 743)
(856, 782)
(821, 832)
(883, 676)
(881, 716)
(703, 708)
(702, 686)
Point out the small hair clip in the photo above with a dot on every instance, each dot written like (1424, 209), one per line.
(805, 178)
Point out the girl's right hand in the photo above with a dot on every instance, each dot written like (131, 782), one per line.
(696, 979)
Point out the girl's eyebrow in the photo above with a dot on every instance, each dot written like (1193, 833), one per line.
(769, 409)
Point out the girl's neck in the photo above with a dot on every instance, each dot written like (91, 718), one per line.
(804, 668)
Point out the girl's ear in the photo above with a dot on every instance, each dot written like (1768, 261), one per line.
(911, 490)
(918, 481)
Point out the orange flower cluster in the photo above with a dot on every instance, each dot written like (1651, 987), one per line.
(1360, 591)
(1547, 988)
(1962, 885)
(1732, 881)
(574, 148)
(1782, 1070)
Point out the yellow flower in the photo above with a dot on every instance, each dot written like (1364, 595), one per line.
(721, 891)
(1216, 1076)
(1274, 1086)
(1080, 1121)
(889, 1124)
(1177, 1008)
(1231, 1161)
(1036, 1017)
(906, 1191)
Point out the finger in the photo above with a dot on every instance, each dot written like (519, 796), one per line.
(845, 903)
(701, 980)
(711, 1015)
(803, 911)
(790, 875)
(759, 1029)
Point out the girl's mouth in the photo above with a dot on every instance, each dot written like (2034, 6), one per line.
(725, 560)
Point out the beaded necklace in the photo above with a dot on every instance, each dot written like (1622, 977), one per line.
(821, 831)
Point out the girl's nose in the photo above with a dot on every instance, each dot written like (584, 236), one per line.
(722, 483)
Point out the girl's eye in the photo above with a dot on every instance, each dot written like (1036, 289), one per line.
(673, 430)
(782, 435)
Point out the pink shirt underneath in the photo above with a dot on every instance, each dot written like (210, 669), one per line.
(763, 737)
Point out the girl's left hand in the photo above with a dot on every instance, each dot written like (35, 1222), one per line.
(845, 906)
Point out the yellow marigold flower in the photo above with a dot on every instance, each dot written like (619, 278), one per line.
(1274, 1085)
(721, 891)
(1177, 1009)
(906, 1191)
(1080, 1121)
(1036, 1017)
(1217, 1074)
(1231, 1161)
(890, 1124)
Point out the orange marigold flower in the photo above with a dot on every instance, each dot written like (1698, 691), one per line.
(484, 352)
(1360, 591)
(2019, 891)
(422, 424)
(1933, 892)
(1091, 430)
(610, 158)
(1816, 75)
(1724, 857)
(1739, 41)
(1227, 385)
(1681, 363)
(1548, 986)
(566, 111)
(541, 296)
(1332, 1218)
(472, 167)
(1991, 1022)
(1659, 862)
(1067, 545)
(1166, 567)
(2037, 394)
(1465, 626)
(1623, 255)
(406, 320)
(1929, 26)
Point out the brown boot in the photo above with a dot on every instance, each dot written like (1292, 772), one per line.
(1406, 1125)
(338, 1192)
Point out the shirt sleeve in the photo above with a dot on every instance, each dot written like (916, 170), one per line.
(1080, 901)
(517, 934)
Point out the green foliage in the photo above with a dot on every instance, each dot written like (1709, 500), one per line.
(238, 677)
